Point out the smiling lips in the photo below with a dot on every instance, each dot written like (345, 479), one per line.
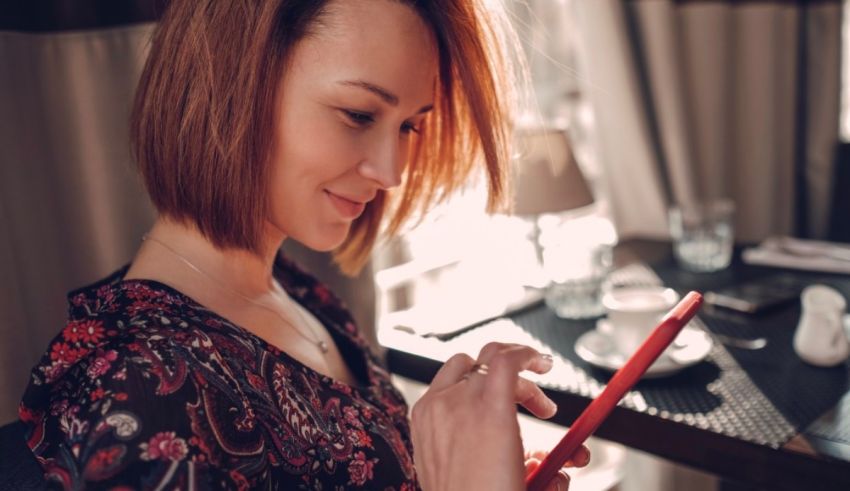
(348, 208)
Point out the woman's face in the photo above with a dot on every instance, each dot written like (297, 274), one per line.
(352, 97)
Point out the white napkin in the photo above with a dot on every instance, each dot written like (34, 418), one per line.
(793, 253)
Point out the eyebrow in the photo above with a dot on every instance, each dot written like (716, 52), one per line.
(381, 92)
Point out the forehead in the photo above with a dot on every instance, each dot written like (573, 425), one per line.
(382, 41)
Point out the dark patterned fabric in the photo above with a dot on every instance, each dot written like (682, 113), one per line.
(145, 388)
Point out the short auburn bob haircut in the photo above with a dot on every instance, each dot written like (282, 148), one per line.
(202, 125)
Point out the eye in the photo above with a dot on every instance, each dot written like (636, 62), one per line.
(359, 118)
(408, 128)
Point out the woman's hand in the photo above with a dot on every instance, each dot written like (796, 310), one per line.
(464, 428)
(562, 480)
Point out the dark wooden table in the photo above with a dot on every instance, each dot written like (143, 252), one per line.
(762, 418)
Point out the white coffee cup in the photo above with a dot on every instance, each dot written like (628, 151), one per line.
(820, 338)
(633, 312)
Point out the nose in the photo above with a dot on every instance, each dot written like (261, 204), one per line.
(385, 162)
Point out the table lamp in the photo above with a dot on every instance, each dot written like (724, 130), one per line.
(546, 176)
(547, 180)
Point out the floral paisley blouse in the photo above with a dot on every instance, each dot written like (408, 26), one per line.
(146, 389)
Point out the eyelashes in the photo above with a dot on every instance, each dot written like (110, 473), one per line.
(362, 119)
(409, 128)
(359, 118)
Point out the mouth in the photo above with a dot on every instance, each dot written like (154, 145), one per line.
(349, 208)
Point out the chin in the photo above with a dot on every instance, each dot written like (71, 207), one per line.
(326, 240)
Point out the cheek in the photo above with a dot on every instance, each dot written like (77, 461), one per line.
(318, 149)
(314, 150)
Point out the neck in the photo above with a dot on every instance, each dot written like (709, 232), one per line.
(246, 272)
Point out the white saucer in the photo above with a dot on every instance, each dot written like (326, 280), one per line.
(691, 346)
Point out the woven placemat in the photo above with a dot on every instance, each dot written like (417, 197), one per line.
(764, 396)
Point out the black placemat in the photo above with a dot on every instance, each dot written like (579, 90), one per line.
(764, 396)
(800, 392)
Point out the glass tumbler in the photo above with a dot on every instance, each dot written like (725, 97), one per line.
(577, 277)
(703, 235)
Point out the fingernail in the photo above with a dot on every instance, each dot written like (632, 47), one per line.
(547, 358)
(564, 482)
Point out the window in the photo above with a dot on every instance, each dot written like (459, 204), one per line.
(844, 130)
(458, 248)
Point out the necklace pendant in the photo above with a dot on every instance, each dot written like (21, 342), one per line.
(323, 346)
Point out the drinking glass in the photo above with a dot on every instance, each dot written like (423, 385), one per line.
(577, 276)
(703, 235)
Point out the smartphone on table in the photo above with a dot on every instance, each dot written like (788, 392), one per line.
(757, 296)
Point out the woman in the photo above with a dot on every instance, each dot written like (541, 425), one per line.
(212, 362)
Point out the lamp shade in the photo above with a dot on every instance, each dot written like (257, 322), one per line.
(546, 176)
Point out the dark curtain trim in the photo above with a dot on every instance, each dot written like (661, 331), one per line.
(75, 15)
(839, 225)
(801, 206)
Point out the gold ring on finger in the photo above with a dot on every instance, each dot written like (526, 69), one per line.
(480, 368)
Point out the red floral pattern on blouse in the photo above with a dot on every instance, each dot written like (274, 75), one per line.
(144, 389)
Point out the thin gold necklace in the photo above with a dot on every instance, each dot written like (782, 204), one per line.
(315, 340)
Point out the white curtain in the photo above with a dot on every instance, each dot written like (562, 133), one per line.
(71, 207)
(714, 98)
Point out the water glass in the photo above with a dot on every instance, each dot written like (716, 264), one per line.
(577, 275)
(703, 235)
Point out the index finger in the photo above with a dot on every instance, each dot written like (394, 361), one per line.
(542, 364)
(505, 366)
